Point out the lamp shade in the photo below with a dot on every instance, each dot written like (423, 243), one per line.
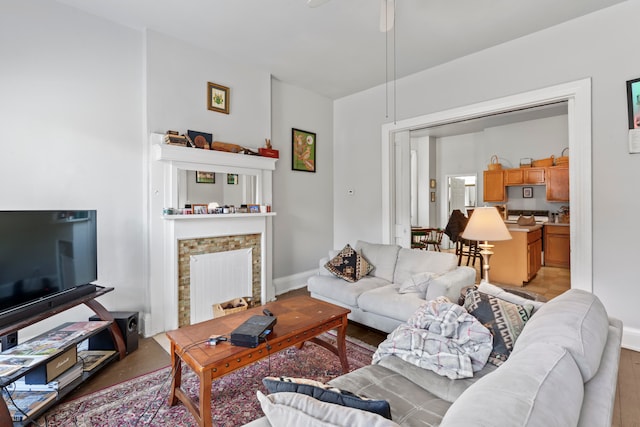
(486, 224)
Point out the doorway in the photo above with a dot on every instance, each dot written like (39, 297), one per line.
(578, 97)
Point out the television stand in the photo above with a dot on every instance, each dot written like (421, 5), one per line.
(90, 301)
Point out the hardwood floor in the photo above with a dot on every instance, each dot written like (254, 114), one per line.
(551, 282)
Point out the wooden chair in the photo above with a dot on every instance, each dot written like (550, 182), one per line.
(434, 239)
(419, 238)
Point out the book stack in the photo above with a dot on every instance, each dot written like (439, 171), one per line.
(24, 404)
(174, 138)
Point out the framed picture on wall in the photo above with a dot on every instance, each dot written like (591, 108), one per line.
(205, 177)
(527, 192)
(303, 150)
(232, 178)
(633, 103)
(218, 98)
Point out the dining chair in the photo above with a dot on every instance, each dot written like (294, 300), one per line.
(434, 239)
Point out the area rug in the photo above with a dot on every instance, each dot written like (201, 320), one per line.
(142, 401)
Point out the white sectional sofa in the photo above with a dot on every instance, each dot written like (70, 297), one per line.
(401, 280)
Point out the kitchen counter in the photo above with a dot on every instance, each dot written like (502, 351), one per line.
(517, 261)
(524, 228)
(559, 224)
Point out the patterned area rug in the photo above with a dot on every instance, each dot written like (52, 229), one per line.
(142, 401)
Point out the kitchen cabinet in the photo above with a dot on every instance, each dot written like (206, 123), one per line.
(557, 245)
(493, 186)
(517, 261)
(534, 176)
(558, 184)
(524, 176)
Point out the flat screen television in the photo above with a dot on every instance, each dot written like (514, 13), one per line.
(47, 258)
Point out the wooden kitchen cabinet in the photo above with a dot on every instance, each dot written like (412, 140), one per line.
(517, 261)
(513, 177)
(558, 184)
(557, 245)
(524, 176)
(534, 176)
(493, 183)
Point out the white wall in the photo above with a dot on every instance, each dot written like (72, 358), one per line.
(568, 52)
(71, 113)
(304, 201)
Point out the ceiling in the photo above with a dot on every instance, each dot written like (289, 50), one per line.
(336, 49)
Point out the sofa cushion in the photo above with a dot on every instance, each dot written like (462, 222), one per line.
(293, 409)
(504, 319)
(382, 257)
(417, 284)
(575, 320)
(386, 301)
(538, 387)
(441, 386)
(349, 265)
(498, 292)
(327, 393)
(339, 290)
(414, 261)
(411, 405)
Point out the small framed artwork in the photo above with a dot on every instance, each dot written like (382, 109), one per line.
(303, 150)
(199, 209)
(432, 183)
(218, 98)
(254, 208)
(205, 177)
(527, 192)
(232, 178)
(633, 103)
(433, 196)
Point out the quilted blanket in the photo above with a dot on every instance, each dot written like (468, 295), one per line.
(441, 337)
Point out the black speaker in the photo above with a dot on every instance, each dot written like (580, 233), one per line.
(127, 321)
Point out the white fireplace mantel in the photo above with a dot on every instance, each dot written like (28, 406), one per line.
(165, 164)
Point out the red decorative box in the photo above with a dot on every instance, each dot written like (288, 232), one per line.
(269, 152)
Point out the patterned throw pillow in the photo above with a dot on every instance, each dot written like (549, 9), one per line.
(349, 265)
(504, 319)
(327, 393)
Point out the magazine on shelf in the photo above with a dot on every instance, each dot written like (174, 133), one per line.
(8, 369)
(92, 358)
(24, 404)
(20, 361)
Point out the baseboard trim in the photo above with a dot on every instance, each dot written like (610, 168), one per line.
(293, 282)
(631, 338)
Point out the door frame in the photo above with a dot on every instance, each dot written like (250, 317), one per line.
(578, 97)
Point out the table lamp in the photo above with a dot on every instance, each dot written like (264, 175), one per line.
(486, 225)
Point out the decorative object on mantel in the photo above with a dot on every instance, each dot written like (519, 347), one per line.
(200, 139)
(172, 137)
(217, 98)
(268, 151)
(494, 164)
(303, 153)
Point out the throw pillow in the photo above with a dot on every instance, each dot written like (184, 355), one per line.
(327, 393)
(349, 265)
(293, 409)
(498, 292)
(418, 283)
(504, 319)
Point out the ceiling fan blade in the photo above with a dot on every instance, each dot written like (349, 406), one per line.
(316, 3)
(387, 14)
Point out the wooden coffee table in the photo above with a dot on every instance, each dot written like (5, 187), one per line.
(300, 319)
